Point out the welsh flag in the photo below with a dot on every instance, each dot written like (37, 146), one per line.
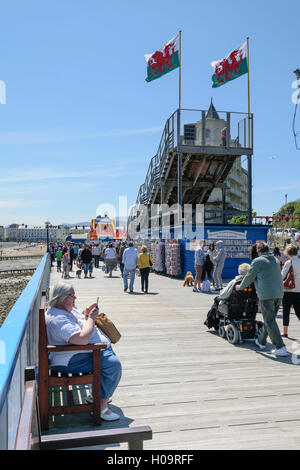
(232, 66)
(164, 60)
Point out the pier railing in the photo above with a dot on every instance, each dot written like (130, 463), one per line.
(18, 350)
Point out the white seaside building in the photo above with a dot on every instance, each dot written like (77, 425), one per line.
(27, 233)
(236, 193)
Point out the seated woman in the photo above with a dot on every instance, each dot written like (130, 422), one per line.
(227, 291)
(66, 324)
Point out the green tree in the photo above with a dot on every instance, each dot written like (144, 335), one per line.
(291, 209)
(241, 219)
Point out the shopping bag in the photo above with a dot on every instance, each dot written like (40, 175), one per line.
(108, 327)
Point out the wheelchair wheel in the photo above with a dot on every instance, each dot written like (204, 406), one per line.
(222, 332)
(232, 334)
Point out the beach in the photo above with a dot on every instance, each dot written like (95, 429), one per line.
(12, 285)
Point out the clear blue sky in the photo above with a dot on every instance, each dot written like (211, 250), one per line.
(80, 122)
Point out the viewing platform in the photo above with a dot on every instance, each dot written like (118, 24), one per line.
(194, 389)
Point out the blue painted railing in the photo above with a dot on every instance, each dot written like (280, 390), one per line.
(19, 349)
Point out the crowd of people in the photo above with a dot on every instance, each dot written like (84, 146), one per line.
(85, 257)
(209, 264)
(66, 324)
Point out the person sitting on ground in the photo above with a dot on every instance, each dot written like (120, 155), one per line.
(227, 291)
(66, 324)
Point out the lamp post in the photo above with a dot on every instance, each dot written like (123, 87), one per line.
(47, 232)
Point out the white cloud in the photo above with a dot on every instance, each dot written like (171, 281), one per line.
(52, 136)
(39, 174)
(17, 203)
(278, 188)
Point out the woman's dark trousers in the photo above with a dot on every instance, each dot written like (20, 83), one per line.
(144, 278)
(290, 299)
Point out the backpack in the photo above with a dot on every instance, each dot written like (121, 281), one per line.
(205, 286)
(243, 301)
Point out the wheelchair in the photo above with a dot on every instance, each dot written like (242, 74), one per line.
(240, 322)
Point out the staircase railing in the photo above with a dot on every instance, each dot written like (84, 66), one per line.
(157, 163)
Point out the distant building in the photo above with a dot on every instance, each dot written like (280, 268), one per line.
(27, 233)
(2, 233)
(236, 193)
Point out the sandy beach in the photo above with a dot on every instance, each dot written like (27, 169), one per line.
(22, 249)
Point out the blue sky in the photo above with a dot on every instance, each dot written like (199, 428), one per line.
(80, 123)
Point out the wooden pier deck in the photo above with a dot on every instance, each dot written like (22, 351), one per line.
(192, 387)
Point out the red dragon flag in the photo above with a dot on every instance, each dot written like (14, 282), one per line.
(232, 66)
(164, 60)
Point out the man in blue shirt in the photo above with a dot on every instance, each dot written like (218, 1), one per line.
(129, 259)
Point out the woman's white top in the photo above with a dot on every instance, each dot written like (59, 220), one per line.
(295, 260)
(61, 325)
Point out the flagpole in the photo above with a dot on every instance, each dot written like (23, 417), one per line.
(249, 141)
(249, 157)
(179, 110)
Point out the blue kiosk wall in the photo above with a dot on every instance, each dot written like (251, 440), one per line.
(237, 242)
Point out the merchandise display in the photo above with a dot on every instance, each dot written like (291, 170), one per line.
(235, 248)
(173, 261)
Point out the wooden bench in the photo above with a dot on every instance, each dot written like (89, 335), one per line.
(29, 436)
(47, 381)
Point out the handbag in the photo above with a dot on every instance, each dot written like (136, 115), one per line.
(108, 327)
(289, 280)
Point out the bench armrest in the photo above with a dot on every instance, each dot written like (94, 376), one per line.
(134, 436)
(76, 347)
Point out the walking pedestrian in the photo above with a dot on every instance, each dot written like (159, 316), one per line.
(121, 251)
(199, 263)
(208, 264)
(97, 255)
(129, 259)
(266, 275)
(87, 261)
(253, 252)
(58, 259)
(291, 297)
(145, 263)
(219, 261)
(110, 259)
(52, 253)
